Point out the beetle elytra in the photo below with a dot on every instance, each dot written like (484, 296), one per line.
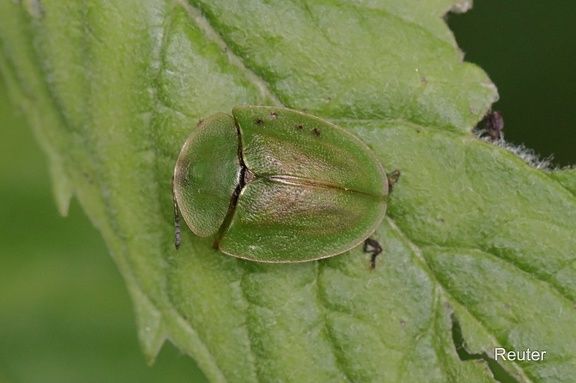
(277, 185)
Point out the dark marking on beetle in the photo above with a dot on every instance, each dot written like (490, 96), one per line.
(316, 132)
(231, 208)
(247, 176)
(176, 218)
(259, 121)
(244, 176)
(372, 246)
(273, 115)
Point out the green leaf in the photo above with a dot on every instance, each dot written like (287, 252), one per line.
(477, 243)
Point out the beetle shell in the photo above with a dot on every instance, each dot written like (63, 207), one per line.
(277, 185)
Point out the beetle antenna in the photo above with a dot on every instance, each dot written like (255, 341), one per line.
(176, 218)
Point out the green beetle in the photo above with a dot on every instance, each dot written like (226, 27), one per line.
(277, 185)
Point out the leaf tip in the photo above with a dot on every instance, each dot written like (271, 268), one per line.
(62, 188)
(151, 332)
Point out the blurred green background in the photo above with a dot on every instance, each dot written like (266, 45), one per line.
(65, 315)
(528, 48)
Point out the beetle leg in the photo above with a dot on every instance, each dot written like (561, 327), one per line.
(372, 246)
(393, 178)
(176, 218)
